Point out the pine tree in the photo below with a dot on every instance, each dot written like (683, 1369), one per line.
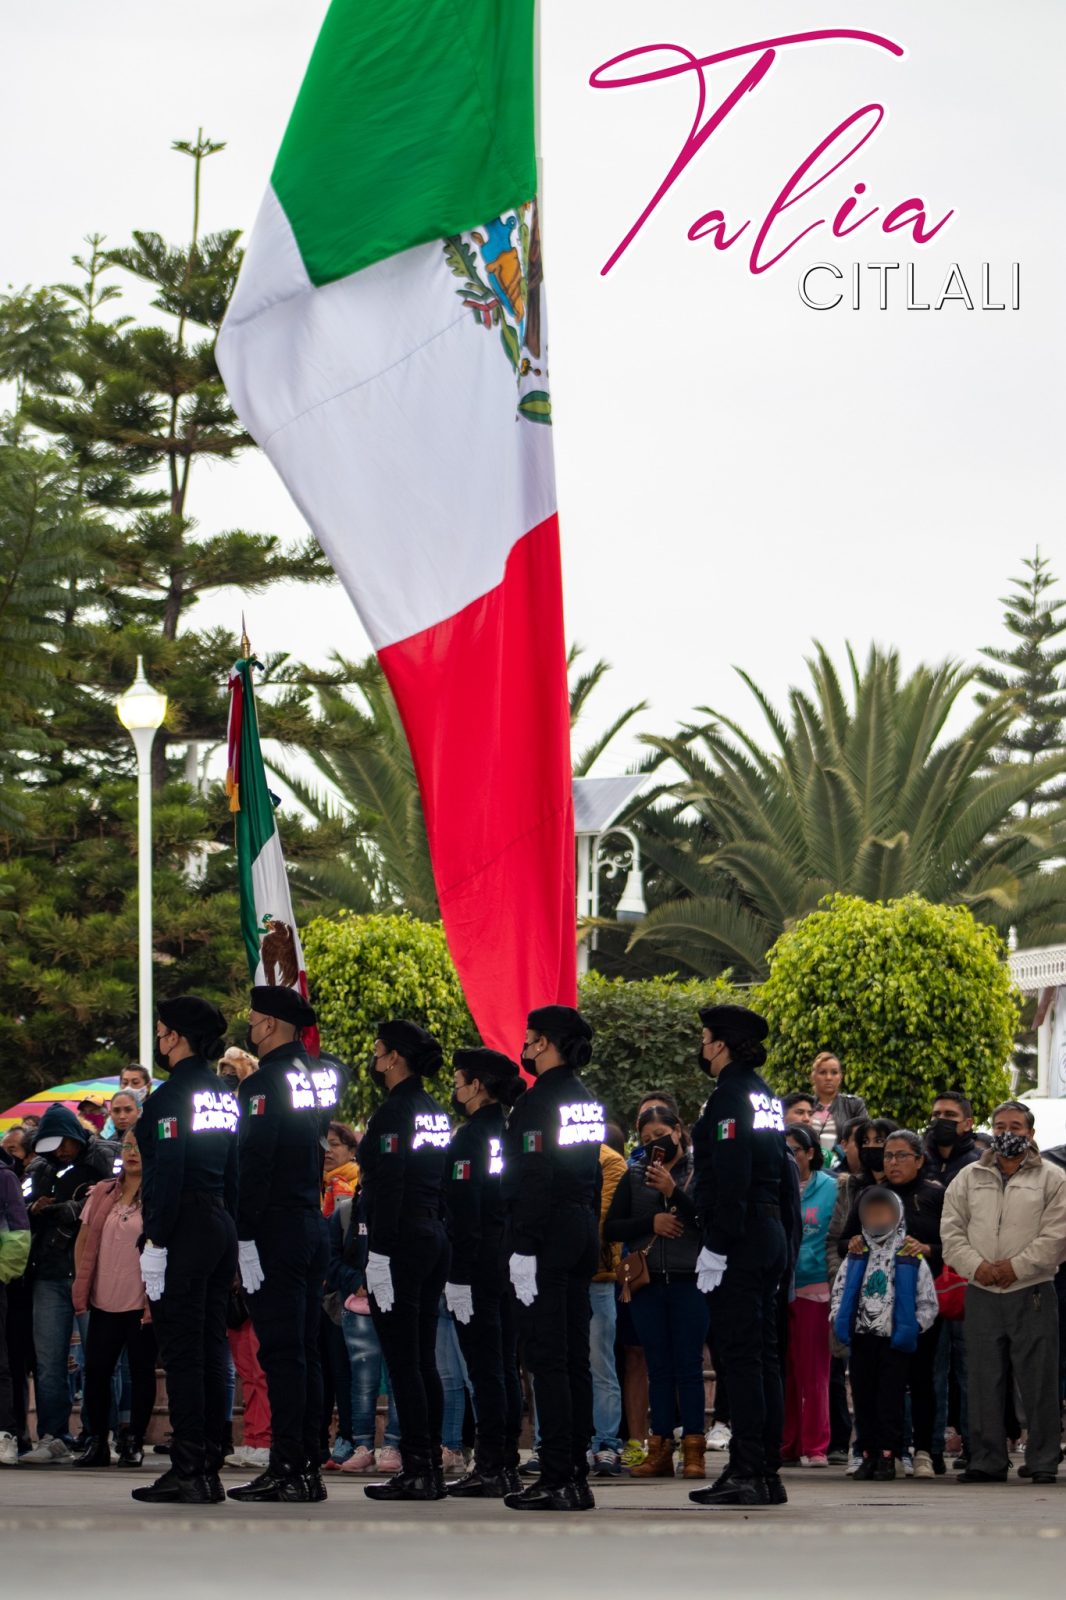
(1031, 672)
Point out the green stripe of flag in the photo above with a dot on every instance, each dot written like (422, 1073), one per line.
(414, 122)
(255, 820)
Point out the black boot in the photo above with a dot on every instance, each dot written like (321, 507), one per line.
(131, 1452)
(544, 1497)
(407, 1485)
(316, 1488)
(480, 1485)
(734, 1491)
(172, 1490)
(95, 1454)
(885, 1469)
(775, 1490)
(278, 1482)
(586, 1500)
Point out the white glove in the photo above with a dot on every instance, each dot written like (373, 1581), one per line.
(524, 1278)
(153, 1270)
(710, 1270)
(459, 1298)
(379, 1281)
(251, 1267)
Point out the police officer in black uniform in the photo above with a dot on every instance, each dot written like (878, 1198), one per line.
(283, 1245)
(187, 1136)
(551, 1188)
(745, 1197)
(478, 1291)
(401, 1160)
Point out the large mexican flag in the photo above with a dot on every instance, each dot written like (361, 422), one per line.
(386, 346)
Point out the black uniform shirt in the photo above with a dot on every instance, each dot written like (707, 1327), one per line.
(401, 1162)
(741, 1162)
(472, 1199)
(285, 1109)
(187, 1136)
(551, 1156)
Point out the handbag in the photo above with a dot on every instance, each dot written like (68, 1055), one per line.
(632, 1273)
(950, 1294)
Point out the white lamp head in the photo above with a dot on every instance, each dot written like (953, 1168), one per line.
(141, 707)
(632, 907)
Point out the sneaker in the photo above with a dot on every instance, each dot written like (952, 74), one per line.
(607, 1464)
(9, 1450)
(838, 1458)
(923, 1465)
(389, 1459)
(341, 1452)
(854, 1464)
(814, 1461)
(453, 1461)
(362, 1460)
(906, 1461)
(633, 1453)
(719, 1437)
(258, 1458)
(530, 1468)
(47, 1452)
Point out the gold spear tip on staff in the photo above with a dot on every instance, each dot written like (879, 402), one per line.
(246, 643)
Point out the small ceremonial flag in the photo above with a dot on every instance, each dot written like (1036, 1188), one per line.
(271, 939)
(387, 347)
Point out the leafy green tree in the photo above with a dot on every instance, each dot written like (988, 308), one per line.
(864, 793)
(364, 969)
(1031, 672)
(645, 1036)
(912, 997)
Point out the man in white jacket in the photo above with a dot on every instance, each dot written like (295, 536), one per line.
(1004, 1230)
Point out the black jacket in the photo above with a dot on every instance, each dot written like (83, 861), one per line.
(285, 1110)
(54, 1229)
(630, 1221)
(401, 1163)
(473, 1202)
(738, 1144)
(964, 1154)
(923, 1203)
(551, 1158)
(187, 1136)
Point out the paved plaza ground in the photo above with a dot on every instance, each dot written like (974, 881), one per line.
(79, 1533)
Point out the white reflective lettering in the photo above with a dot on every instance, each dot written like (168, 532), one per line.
(301, 1090)
(769, 1113)
(495, 1158)
(431, 1128)
(214, 1111)
(327, 1083)
(584, 1111)
(583, 1123)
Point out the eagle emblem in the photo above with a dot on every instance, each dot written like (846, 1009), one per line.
(501, 276)
(277, 952)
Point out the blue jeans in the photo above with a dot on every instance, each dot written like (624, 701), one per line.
(53, 1325)
(368, 1373)
(606, 1391)
(951, 1356)
(671, 1323)
(454, 1380)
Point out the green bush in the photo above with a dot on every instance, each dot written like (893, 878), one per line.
(913, 997)
(364, 969)
(647, 1032)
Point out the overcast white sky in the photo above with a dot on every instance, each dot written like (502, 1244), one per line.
(737, 474)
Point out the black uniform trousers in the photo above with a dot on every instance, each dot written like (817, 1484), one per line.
(286, 1309)
(744, 1316)
(879, 1393)
(111, 1332)
(489, 1342)
(408, 1336)
(555, 1343)
(190, 1329)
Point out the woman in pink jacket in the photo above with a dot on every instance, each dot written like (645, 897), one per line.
(107, 1284)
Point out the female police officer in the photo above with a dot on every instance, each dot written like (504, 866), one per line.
(478, 1291)
(402, 1159)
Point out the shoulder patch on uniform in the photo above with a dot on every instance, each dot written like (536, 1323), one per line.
(727, 1129)
(167, 1128)
(390, 1144)
(257, 1105)
(461, 1172)
(532, 1142)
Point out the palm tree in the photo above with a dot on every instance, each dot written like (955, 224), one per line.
(358, 747)
(863, 793)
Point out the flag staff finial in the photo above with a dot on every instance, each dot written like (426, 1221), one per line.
(246, 643)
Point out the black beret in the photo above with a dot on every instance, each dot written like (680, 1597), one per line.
(482, 1063)
(734, 1024)
(288, 1005)
(417, 1047)
(560, 1024)
(195, 1019)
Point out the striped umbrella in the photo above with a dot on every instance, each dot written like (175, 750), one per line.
(67, 1094)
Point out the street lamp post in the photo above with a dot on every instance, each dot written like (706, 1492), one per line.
(597, 803)
(141, 711)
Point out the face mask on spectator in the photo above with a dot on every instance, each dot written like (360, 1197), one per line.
(872, 1157)
(1010, 1145)
(665, 1143)
(943, 1131)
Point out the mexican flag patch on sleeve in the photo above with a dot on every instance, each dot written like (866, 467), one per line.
(168, 1127)
(461, 1172)
(727, 1129)
(390, 1144)
(257, 1105)
(532, 1144)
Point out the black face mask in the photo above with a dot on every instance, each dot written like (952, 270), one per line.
(664, 1143)
(529, 1064)
(161, 1058)
(702, 1062)
(943, 1131)
(457, 1105)
(873, 1158)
